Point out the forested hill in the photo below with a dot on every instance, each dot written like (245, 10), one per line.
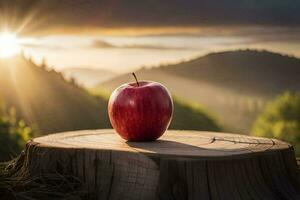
(249, 71)
(46, 100)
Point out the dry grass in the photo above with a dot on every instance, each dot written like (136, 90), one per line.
(17, 183)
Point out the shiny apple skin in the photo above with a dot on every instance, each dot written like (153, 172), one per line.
(140, 113)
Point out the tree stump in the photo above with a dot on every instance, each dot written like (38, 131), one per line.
(180, 165)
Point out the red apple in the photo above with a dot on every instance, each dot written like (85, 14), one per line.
(140, 111)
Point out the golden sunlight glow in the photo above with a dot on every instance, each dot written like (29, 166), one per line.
(9, 45)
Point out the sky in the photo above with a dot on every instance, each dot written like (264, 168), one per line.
(123, 35)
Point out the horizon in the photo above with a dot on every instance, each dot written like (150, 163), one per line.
(175, 62)
(121, 38)
(124, 54)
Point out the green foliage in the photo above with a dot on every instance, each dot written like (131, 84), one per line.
(281, 119)
(13, 134)
(192, 117)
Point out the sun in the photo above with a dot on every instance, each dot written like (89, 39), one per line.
(9, 45)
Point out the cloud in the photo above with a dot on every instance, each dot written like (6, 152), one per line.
(179, 12)
(89, 15)
(104, 44)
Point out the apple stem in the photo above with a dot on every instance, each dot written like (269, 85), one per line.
(135, 79)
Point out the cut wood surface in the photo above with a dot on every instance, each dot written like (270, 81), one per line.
(180, 165)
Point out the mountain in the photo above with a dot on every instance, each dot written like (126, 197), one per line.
(49, 103)
(246, 71)
(234, 86)
(87, 76)
(46, 100)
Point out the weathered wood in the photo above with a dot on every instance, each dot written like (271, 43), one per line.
(180, 165)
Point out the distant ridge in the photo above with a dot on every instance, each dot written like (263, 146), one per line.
(247, 71)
